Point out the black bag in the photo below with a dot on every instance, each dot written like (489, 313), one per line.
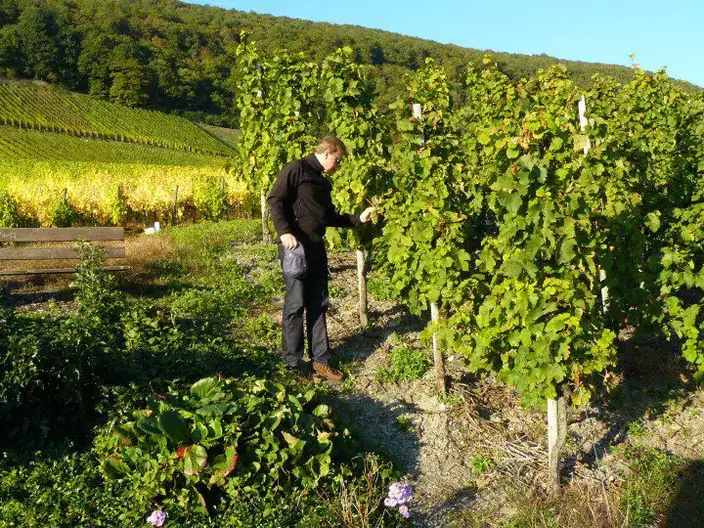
(294, 263)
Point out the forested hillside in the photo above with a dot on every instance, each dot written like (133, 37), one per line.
(180, 57)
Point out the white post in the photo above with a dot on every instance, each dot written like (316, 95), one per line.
(583, 122)
(437, 353)
(362, 287)
(557, 433)
(265, 228)
(174, 211)
(438, 360)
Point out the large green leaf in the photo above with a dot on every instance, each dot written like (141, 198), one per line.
(209, 388)
(115, 468)
(195, 458)
(226, 463)
(174, 426)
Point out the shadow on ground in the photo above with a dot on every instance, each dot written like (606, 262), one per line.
(653, 375)
(32, 290)
(687, 508)
(362, 344)
(373, 423)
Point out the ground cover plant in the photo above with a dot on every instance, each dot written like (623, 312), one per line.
(133, 404)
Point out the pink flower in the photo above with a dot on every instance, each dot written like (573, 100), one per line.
(157, 518)
(403, 510)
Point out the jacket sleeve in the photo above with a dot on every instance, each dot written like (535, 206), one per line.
(335, 219)
(281, 199)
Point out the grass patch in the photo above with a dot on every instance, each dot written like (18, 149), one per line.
(404, 364)
(405, 422)
(655, 491)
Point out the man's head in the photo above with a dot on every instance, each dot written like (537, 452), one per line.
(330, 152)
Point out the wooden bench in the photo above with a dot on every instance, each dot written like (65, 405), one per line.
(71, 234)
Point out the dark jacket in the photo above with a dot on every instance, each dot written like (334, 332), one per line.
(300, 202)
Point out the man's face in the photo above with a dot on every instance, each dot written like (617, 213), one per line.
(331, 161)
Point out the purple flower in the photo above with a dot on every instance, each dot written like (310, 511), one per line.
(157, 518)
(400, 493)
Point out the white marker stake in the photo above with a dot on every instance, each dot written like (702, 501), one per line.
(438, 360)
(582, 106)
(583, 122)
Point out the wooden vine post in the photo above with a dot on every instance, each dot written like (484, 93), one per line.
(174, 211)
(266, 237)
(438, 359)
(362, 287)
(557, 409)
(557, 434)
(583, 122)
(352, 116)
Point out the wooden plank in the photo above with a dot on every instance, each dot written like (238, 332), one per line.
(41, 271)
(61, 234)
(51, 253)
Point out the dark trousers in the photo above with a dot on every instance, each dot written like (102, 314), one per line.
(309, 295)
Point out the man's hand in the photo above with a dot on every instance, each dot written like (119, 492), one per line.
(366, 214)
(289, 241)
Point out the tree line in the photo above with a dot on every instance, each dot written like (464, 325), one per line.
(178, 57)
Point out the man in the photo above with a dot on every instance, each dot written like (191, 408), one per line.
(301, 208)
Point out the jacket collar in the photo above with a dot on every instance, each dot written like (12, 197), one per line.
(314, 163)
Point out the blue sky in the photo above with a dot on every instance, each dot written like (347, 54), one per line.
(660, 33)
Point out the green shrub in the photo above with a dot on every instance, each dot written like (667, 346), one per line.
(60, 486)
(118, 208)
(11, 215)
(63, 214)
(210, 200)
(225, 437)
(96, 288)
(47, 375)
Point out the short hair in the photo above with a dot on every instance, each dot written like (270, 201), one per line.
(331, 145)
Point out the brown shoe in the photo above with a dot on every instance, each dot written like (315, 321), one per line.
(327, 372)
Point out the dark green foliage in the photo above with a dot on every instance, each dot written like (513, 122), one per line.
(64, 487)
(10, 214)
(124, 380)
(180, 57)
(222, 436)
(47, 381)
(380, 289)
(30, 496)
(64, 214)
(37, 30)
